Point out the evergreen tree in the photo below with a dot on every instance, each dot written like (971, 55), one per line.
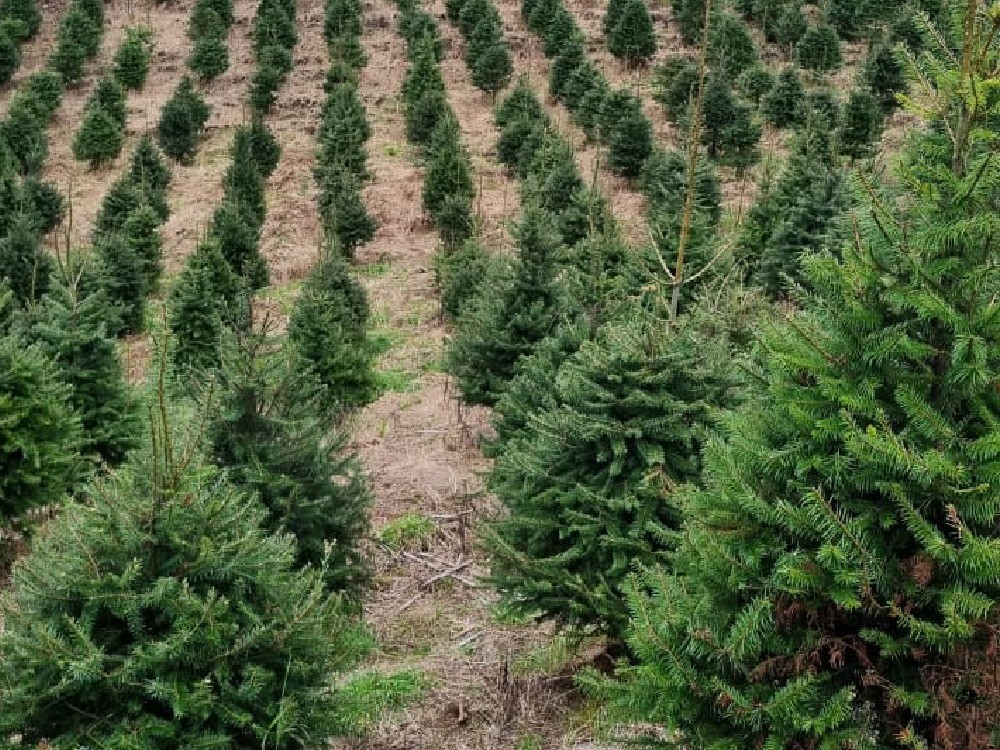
(148, 170)
(674, 86)
(632, 38)
(123, 197)
(209, 57)
(796, 215)
(274, 25)
(273, 64)
(513, 310)
(70, 329)
(585, 482)
(612, 12)
(553, 178)
(343, 211)
(182, 121)
(342, 17)
(40, 94)
(123, 272)
(861, 124)
(328, 329)
(756, 82)
(79, 37)
(158, 613)
(785, 105)
(630, 144)
(26, 13)
(141, 233)
(268, 432)
(24, 136)
(842, 544)
(344, 129)
(109, 95)
(39, 433)
(25, 267)
(46, 203)
(731, 49)
(819, 49)
(791, 25)
(201, 302)
(883, 72)
(690, 17)
(205, 21)
(238, 237)
(454, 221)
(131, 63)
(569, 59)
(560, 30)
(243, 183)
(459, 273)
(448, 169)
(10, 54)
(261, 144)
(493, 68)
(99, 139)
(520, 103)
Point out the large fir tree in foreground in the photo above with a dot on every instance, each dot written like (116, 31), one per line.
(157, 614)
(838, 581)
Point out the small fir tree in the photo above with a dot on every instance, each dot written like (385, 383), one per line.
(40, 433)
(182, 121)
(861, 124)
(10, 54)
(819, 49)
(131, 63)
(513, 310)
(785, 105)
(148, 170)
(883, 72)
(343, 211)
(674, 86)
(756, 82)
(123, 273)
(243, 183)
(44, 202)
(110, 95)
(122, 198)
(632, 38)
(571, 57)
(585, 482)
(24, 136)
(612, 12)
(245, 646)
(273, 64)
(493, 68)
(25, 267)
(26, 13)
(202, 301)
(141, 232)
(261, 143)
(238, 237)
(40, 94)
(791, 26)
(731, 48)
(268, 431)
(459, 273)
(448, 169)
(209, 57)
(99, 139)
(796, 215)
(690, 17)
(328, 329)
(630, 144)
(70, 328)
(79, 37)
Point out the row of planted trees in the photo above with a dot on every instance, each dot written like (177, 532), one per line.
(200, 582)
(783, 517)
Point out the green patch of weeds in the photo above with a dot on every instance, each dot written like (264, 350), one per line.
(374, 270)
(505, 614)
(529, 742)
(282, 294)
(547, 659)
(395, 380)
(410, 531)
(382, 340)
(365, 698)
